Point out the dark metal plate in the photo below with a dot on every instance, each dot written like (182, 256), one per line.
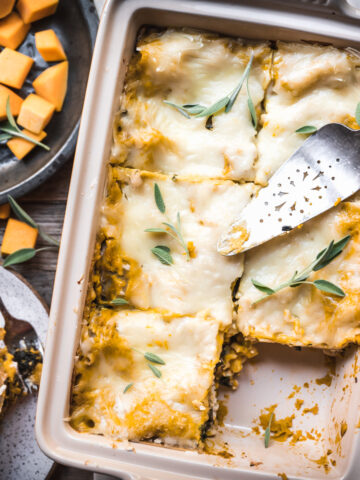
(75, 23)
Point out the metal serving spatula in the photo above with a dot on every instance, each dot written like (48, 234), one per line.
(321, 173)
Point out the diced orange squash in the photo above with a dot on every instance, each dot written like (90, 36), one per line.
(12, 31)
(49, 46)
(18, 235)
(14, 67)
(32, 10)
(4, 211)
(51, 84)
(20, 147)
(5, 7)
(15, 102)
(35, 113)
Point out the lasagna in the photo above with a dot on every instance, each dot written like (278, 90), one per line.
(203, 122)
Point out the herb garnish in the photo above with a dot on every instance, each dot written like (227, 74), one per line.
(127, 388)
(22, 255)
(116, 302)
(10, 129)
(162, 252)
(155, 370)
(322, 259)
(152, 358)
(119, 301)
(268, 430)
(226, 102)
(306, 129)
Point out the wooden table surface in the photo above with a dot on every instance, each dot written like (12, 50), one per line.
(46, 205)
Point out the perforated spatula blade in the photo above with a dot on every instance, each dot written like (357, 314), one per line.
(321, 173)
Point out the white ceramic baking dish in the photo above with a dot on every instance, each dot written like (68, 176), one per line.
(264, 382)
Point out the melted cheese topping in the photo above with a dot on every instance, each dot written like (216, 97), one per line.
(183, 312)
(187, 68)
(174, 407)
(305, 315)
(202, 283)
(313, 85)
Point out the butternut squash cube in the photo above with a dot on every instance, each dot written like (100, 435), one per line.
(20, 147)
(49, 46)
(12, 31)
(14, 67)
(18, 235)
(15, 102)
(32, 10)
(51, 84)
(4, 211)
(5, 7)
(35, 113)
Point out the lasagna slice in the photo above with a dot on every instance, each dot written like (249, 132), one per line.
(312, 85)
(9, 385)
(183, 67)
(199, 279)
(179, 310)
(121, 393)
(304, 315)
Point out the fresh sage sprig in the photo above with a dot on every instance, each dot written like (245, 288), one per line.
(10, 129)
(162, 252)
(306, 129)
(116, 302)
(322, 259)
(128, 386)
(22, 255)
(151, 359)
(25, 217)
(268, 431)
(227, 102)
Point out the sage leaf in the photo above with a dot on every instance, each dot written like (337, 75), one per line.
(306, 129)
(252, 112)
(268, 430)
(357, 114)
(156, 230)
(336, 249)
(21, 214)
(158, 198)
(263, 288)
(4, 137)
(162, 252)
(127, 388)
(323, 258)
(329, 287)
(178, 108)
(237, 89)
(20, 256)
(214, 108)
(194, 108)
(155, 370)
(119, 301)
(9, 115)
(152, 357)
